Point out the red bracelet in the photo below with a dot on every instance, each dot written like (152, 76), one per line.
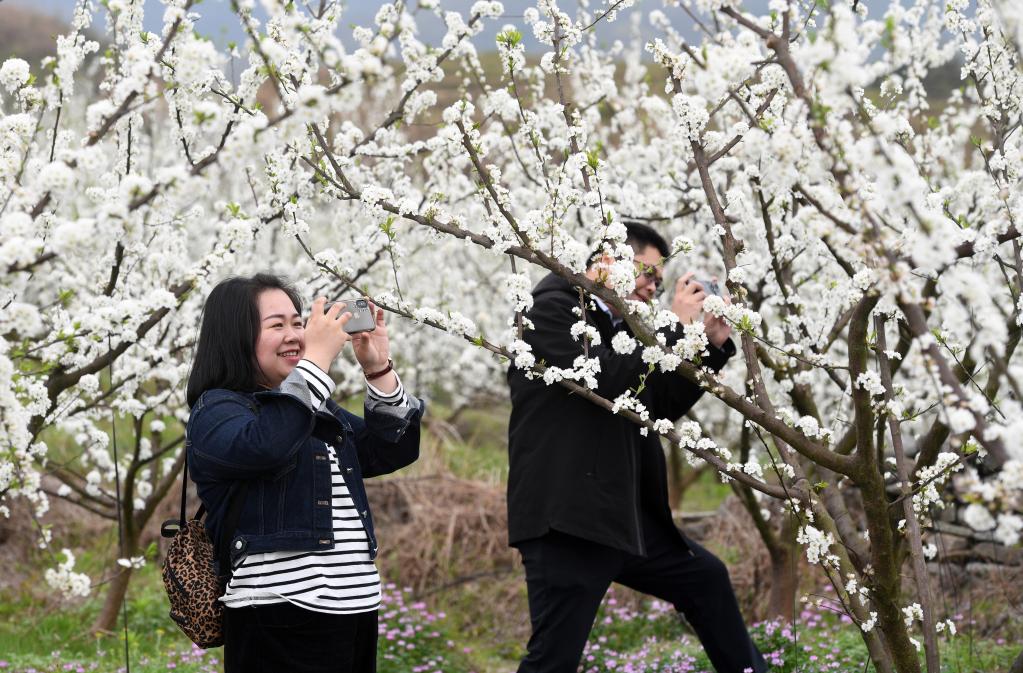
(376, 375)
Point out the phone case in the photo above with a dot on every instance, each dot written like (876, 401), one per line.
(362, 318)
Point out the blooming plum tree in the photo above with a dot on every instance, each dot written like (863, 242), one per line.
(866, 230)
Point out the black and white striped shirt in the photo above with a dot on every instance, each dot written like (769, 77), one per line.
(343, 579)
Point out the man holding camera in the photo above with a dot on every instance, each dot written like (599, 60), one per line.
(587, 492)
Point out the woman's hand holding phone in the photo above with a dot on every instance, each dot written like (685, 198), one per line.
(373, 351)
(325, 334)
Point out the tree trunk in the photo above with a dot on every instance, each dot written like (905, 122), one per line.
(785, 557)
(680, 479)
(106, 620)
(886, 591)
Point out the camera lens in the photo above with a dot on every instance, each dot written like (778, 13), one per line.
(361, 303)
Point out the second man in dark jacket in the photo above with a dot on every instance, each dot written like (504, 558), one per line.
(587, 492)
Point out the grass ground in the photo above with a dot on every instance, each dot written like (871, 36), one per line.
(479, 625)
(418, 636)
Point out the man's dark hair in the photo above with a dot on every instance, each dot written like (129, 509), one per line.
(225, 356)
(640, 236)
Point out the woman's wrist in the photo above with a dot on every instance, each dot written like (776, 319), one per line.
(321, 360)
(376, 371)
(384, 384)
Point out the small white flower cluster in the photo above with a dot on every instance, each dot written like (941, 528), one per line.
(501, 103)
(692, 115)
(818, 545)
(912, 613)
(451, 321)
(693, 343)
(460, 111)
(460, 324)
(675, 63)
(855, 589)
(57, 177)
(14, 74)
(1006, 528)
(517, 288)
(663, 426)
(809, 426)
(681, 245)
(586, 331)
(619, 276)
(751, 467)
(628, 401)
(742, 318)
(871, 382)
(652, 355)
(584, 370)
(63, 578)
(934, 476)
(959, 419)
(623, 343)
(560, 26)
(523, 354)
(691, 437)
(488, 9)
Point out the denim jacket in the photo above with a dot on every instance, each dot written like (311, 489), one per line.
(277, 441)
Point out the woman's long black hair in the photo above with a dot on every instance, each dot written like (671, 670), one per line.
(225, 356)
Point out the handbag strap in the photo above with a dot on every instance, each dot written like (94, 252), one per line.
(184, 493)
(235, 502)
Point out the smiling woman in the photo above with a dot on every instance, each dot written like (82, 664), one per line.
(232, 329)
(281, 336)
(303, 588)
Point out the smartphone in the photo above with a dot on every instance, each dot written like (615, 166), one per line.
(362, 319)
(709, 287)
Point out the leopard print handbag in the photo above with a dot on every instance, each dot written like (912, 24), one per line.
(189, 570)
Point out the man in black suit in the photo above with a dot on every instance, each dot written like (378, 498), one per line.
(587, 492)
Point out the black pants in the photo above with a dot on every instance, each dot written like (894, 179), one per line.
(284, 638)
(567, 578)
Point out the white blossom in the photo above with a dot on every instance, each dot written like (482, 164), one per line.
(623, 343)
(65, 580)
(14, 74)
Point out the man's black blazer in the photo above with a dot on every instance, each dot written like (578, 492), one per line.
(574, 467)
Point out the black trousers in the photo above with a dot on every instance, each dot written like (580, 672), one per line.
(567, 577)
(284, 638)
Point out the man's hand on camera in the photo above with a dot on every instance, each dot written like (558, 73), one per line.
(687, 302)
(718, 329)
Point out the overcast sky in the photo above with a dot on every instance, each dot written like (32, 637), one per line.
(219, 23)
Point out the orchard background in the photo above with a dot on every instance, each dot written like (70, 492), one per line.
(851, 168)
